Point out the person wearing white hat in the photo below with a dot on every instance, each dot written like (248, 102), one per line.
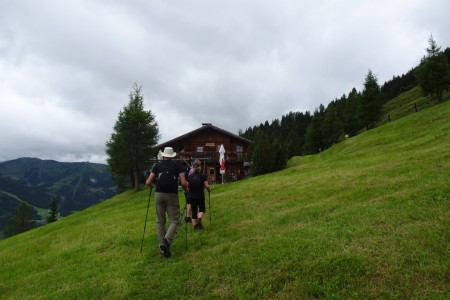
(167, 173)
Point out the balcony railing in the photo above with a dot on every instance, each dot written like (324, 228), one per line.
(212, 156)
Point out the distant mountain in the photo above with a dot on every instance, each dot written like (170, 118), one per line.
(76, 186)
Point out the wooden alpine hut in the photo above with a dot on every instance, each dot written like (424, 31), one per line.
(204, 144)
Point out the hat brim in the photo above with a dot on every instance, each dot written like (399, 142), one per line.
(169, 155)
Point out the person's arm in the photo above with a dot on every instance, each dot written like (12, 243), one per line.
(206, 185)
(150, 179)
(183, 182)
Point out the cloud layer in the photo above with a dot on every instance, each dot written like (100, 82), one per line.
(67, 67)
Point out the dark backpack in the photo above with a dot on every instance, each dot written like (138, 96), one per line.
(166, 180)
(195, 183)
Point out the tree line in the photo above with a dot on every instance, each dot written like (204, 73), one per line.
(299, 133)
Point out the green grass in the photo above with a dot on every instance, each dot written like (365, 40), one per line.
(366, 219)
(405, 104)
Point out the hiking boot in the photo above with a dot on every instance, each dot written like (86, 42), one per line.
(165, 249)
(199, 225)
(187, 219)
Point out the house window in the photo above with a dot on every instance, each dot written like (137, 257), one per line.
(239, 148)
(199, 148)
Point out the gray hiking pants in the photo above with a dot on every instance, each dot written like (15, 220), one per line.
(166, 203)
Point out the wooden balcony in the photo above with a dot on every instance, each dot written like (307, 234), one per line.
(212, 156)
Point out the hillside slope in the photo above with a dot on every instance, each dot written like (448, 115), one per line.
(35, 181)
(367, 218)
(407, 103)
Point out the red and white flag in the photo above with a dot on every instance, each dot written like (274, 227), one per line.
(222, 159)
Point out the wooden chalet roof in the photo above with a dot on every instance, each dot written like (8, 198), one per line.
(205, 126)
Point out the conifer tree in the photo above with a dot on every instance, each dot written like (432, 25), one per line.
(266, 154)
(260, 154)
(132, 142)
(351, 120)
(371, 104)
(314, 138)
(53, 213)
(331, 126)
(433, 72)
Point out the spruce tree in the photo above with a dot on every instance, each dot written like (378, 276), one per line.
(131, 144)
(53, 213)
(433, 72)
(314, 134)
(371, 103)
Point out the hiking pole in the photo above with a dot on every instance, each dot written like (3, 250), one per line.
(209, 206)
(185, 223)
(185, 227)
(145, 224)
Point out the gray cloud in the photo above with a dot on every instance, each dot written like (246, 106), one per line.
(67, 67)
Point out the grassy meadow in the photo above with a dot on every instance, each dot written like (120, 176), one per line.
(366, 219)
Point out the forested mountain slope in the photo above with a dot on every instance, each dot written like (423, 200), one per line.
(76, 186)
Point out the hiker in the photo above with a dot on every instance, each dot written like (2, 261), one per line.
(197, 183)
(191, 171)
(166, 173)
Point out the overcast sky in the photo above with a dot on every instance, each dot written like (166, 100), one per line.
(67, 67)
